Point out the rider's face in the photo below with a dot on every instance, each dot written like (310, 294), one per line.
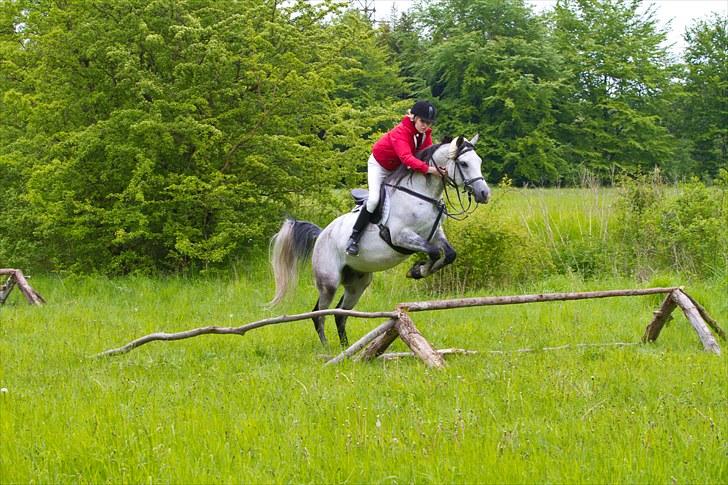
(421, 125)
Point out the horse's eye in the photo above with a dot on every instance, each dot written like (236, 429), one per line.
(463, 164)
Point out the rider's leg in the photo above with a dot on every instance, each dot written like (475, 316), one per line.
(352, 245)
(375, 176)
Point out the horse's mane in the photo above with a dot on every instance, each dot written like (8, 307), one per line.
(403, 170)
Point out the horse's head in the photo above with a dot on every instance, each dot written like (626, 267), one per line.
(463, 167)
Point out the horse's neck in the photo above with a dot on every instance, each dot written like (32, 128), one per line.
(427, 185)
(430, 186)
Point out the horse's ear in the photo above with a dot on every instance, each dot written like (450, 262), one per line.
(446, 139)
(475, 139)
(460, 141)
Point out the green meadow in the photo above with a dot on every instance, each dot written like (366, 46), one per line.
(263, 409)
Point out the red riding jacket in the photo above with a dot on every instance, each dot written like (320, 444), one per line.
(399, 145)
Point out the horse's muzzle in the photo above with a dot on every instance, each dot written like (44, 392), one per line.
(480, 191)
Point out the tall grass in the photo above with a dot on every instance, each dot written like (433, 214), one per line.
(262, 408)
(642, 230)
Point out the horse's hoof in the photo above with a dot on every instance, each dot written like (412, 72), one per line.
(415, 272)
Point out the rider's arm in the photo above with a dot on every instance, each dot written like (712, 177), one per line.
(403, 148)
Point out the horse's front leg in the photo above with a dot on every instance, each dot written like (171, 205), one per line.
(448, 253)
(434, 250)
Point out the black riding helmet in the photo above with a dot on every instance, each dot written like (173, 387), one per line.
(424, 110)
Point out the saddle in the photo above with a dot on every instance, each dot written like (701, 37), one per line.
(360, 197)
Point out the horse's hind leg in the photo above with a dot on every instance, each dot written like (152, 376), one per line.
(326, 296)
(354, 285)
(318, 325)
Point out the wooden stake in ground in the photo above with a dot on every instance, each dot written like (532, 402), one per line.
(417, 343)
(16, 277)
(359, 344)
(379, 345)
(662, 316)
(696, 320)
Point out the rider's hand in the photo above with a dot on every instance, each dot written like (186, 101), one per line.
(439, 171)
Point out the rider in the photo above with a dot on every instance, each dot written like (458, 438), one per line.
(394, 148)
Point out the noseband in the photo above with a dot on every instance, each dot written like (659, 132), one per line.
(467, 187)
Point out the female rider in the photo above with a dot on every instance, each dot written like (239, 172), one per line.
(394, 148)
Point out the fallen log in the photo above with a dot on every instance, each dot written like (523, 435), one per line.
(399, 355)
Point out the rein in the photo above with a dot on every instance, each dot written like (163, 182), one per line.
(438, 203)
(441, 208)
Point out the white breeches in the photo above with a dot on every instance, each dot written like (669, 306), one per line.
(375, 176)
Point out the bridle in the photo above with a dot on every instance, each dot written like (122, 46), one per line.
(447, 181)
(464, 211)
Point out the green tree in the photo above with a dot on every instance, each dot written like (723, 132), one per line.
(619, 74)
(493, 71)
(704, 113)
(166, 134)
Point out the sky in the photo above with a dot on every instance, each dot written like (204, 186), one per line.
(682, 12)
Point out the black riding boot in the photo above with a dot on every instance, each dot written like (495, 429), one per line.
(352, 246)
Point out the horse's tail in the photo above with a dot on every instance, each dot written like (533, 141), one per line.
(293, 243)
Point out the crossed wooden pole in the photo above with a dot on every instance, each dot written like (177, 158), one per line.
(15, 276)
(399, 324)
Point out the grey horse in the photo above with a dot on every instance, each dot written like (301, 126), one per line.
(411, 216)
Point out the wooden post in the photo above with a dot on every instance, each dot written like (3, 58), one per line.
(359, 344)
(30, 294)
(708, 319)
(696, 320)
(662, 316)
(379, 345)
(417, 343)
(6, 289)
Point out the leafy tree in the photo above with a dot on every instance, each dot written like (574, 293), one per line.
(166, 134)
(704, 113)
(489, 64)
(619, 75)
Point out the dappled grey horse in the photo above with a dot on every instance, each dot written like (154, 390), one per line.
(411, 217)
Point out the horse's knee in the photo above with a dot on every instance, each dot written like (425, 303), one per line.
(434, 253)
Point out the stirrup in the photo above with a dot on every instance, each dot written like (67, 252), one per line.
(352, 248)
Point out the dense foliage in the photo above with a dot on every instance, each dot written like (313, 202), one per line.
(641, 230)
(171, 134)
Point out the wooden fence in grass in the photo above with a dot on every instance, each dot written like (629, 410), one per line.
(399, 323)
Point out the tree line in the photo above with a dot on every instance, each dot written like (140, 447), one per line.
(145, 135)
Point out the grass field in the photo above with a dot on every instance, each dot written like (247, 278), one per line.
(262, 408)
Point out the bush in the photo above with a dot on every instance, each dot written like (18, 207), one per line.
(493, 250)
(679, 229)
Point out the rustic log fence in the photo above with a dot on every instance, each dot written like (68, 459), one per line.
(16, 277)
(399, 324)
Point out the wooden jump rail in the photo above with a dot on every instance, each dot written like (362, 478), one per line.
(400, 325)
(15, 276)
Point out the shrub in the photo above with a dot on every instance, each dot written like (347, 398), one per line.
(493, 250)
(679, 229)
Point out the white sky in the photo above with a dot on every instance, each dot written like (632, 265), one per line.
(682, 12)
